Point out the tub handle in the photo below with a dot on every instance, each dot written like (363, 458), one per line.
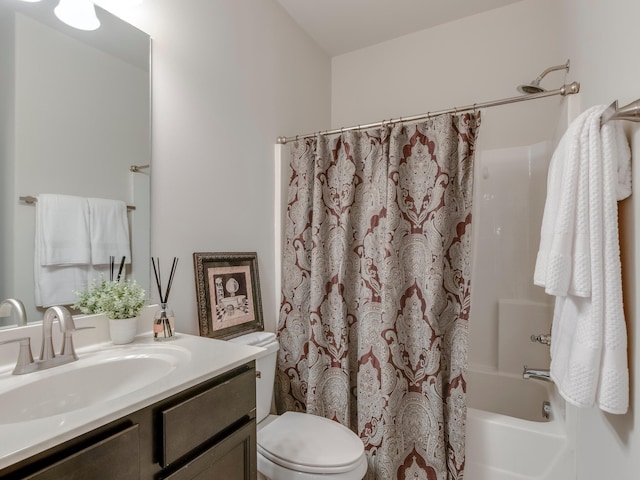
(542, 338)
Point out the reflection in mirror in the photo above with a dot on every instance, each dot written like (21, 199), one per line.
(74, 117)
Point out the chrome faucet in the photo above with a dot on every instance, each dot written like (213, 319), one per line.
(536, 373)
(67, 327)
(11, 303)
(48, 358)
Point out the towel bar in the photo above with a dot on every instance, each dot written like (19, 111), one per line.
(31, 200)
(629, 112)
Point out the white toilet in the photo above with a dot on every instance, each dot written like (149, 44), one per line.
(299, 446)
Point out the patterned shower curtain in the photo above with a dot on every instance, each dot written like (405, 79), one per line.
(376, 287)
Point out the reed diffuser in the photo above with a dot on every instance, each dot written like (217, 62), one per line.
(163, 323)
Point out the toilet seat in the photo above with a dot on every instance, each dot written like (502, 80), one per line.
(307, 443)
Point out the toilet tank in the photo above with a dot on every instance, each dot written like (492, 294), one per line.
(265, 368)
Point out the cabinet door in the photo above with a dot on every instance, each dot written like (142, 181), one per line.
(233, 458)
(194, 421)
(116, 457)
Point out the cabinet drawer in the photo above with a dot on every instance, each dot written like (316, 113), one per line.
(188, 424)
(115, 457)
(233, 458)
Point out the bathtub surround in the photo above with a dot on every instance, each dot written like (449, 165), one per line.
(579, 263)
(508, 437)
(376, 290)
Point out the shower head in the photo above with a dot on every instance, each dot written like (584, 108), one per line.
(534, 87)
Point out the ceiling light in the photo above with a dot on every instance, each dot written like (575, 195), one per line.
(80, 14)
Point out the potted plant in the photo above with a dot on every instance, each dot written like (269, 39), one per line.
(120, 300)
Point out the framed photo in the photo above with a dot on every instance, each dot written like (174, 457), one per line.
(228, 294)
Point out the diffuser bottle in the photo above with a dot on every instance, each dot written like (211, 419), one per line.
(163, 324)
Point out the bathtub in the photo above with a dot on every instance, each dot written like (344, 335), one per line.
(508, 437)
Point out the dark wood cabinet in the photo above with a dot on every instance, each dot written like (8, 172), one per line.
(117, 454)
(205, 432)
(233, 458)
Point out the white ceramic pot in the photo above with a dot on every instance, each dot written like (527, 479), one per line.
(123, 330)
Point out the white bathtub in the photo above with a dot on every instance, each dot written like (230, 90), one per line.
(507, 435)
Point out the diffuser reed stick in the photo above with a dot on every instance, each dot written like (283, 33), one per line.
(121, 267)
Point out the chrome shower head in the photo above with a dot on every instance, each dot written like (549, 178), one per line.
(534, 86)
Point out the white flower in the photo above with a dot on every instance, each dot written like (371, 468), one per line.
(116, 299)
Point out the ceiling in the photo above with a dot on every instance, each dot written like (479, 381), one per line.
(341, 26)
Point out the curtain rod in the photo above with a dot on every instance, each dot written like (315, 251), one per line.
(568, 89)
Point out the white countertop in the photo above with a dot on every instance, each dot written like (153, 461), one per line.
(207, 358)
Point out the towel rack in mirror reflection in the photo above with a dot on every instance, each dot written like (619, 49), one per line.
(138, 168)
(30, 200)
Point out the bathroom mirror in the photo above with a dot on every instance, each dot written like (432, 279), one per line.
(74, 118)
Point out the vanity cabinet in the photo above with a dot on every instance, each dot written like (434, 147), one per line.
(205, 432)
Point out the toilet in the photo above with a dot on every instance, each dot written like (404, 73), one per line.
(299, 446)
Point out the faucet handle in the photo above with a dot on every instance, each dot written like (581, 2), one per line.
(67, 341)
(25, 357)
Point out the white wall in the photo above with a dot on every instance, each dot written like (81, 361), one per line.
(229, 77)
(600, 37)
(479, 58)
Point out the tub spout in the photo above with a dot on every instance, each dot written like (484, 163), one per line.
(536, 373)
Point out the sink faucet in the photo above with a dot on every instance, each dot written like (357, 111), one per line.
(67, 327)
(536, 373)
(11, 303)
(48, 358)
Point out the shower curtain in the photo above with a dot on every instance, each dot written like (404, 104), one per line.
(376, 287)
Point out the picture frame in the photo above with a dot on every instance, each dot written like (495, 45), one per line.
(228, 294)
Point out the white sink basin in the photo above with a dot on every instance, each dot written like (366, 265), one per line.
(95, 378)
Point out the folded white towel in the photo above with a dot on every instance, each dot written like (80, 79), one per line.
(579, 263)
(63, 223)
(109, 227)
(62, 250)
(55, 285)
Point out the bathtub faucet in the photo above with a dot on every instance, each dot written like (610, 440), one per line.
(536, 373)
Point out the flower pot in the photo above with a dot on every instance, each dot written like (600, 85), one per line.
(123, 330)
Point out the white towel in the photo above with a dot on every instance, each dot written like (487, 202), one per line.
(63, 221)
(579, 262)
(109, 227)
(62, 249)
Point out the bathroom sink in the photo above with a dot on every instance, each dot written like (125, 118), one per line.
(95, 378)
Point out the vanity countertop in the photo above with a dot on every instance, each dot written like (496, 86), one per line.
(206, 359)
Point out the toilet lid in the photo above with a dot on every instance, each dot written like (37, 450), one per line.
(311, 444)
